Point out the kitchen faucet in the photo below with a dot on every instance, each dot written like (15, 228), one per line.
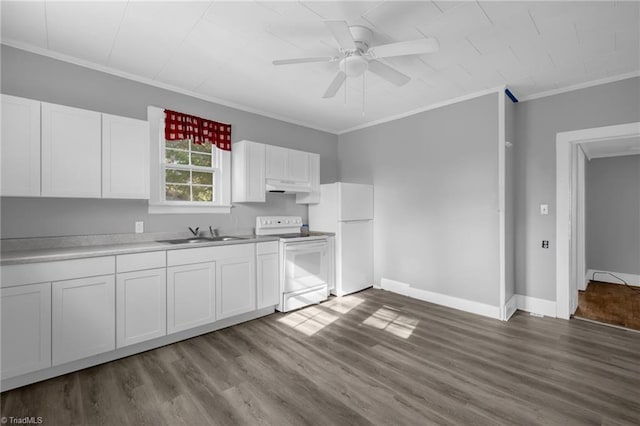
(194, 232)
(213, 232)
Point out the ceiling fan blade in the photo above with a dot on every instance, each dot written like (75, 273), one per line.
(335, 85)
(413, 47)
(342, 34)
(304, 60)
(390, 74)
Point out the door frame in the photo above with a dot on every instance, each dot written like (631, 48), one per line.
(570, 261)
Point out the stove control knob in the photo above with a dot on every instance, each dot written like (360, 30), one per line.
(286, 221)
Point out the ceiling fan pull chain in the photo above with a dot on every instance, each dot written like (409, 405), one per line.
(363, 93)
(345, 90)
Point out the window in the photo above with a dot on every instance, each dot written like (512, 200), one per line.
(189, 172)
(187, 177)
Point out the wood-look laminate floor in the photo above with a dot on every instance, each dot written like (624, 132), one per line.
(371, 358)
(610, 303)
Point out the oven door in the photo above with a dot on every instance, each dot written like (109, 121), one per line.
(305, 265)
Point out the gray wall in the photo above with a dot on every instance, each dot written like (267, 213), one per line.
(436, 197)
(37, 77)
(537, 122)
(612, 198)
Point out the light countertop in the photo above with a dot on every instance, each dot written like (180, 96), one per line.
(34, 255)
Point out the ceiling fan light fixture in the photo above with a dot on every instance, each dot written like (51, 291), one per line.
(354, 66)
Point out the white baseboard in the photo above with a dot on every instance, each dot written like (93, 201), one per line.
(511, 307)
(441, 299)
(631, 279)
(535, 305)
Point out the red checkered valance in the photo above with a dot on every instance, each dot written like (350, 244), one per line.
(179, 126)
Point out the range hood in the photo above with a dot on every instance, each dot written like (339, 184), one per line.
(287, 186)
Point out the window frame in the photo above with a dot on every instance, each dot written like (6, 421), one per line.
(221, 168)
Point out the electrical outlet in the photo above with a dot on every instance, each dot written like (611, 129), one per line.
(544, 209)
(545, 244)
(139, 227)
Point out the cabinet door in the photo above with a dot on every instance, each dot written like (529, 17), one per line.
(26, 329)
(235, 286)
(268, 283)
(84, 320)
(248, 172)
(191, 296)
(20, 147)
(277, 162)
(141, 306)
(125, 157)
(71, 152)
(298, 166)
(312, 197)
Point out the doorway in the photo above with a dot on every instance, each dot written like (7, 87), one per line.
(570, 219)
(609, 292)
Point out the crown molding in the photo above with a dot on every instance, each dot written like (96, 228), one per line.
(586, 84)
(144, 80)
(499, 89)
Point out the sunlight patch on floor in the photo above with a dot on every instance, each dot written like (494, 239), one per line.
(390, 319)
(343, 304)
(308, 320)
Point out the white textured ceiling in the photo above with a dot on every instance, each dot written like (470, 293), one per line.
(612, 148)
(223, 50)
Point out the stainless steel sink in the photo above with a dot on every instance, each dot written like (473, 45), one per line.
(194, 240)
(224, 238)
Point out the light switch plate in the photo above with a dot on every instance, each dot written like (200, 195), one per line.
(139, 227)
(544, 209)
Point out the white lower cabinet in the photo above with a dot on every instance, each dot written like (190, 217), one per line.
(236, 283)
(268, 284)
(83, 318)
(26, 329)
(191, 296)
(141, 306)
(133, 298)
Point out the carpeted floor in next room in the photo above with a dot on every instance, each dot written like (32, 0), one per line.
(610, 303)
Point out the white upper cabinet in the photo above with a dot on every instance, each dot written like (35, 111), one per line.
(71, 152)
(20, 147)
(298, 166)
(248, 165)
(312, 197)
(53, 150)
(125, 157)
(277, 162)
(287, 164)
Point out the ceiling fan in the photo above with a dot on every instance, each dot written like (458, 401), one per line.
(357, 55)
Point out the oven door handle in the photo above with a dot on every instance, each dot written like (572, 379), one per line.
(304, 246)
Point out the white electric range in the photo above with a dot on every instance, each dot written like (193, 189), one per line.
(304, 261)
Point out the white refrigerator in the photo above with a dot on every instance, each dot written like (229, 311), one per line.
(346, 209)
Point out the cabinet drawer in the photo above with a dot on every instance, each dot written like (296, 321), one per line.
(208, 254)
(30, 273)
(267, 248)
(141, 261)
